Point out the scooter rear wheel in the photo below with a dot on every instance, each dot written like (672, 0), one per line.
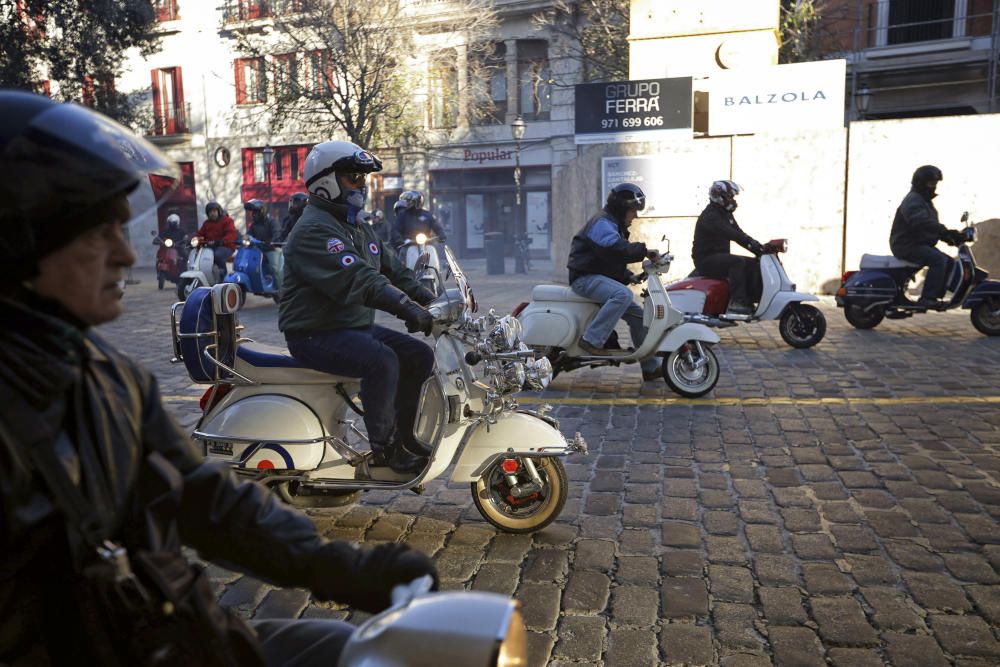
(289, 494)
(492, 497)
(861, 319)
(984, 317)
(687, 379)
(160, 280)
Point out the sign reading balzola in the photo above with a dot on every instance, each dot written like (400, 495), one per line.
(783, 97)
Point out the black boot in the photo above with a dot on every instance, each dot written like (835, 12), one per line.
(397, 459)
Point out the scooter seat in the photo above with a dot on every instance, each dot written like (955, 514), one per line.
(557, 293)
(885, 262)
(261, 358)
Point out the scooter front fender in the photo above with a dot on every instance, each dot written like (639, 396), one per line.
(239, 278)
(515, 433)
(685, 332)
(985, 289)
(781, 301)
(199, 275)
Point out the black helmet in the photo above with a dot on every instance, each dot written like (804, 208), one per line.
(298, 199)
(254, 206)
(60, 166)
(928, 172)
(623, 197)
(213, 205)
(724, 194)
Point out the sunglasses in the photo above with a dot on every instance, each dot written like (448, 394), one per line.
(355, 178)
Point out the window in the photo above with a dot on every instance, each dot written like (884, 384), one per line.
(169, 111)
(444, 91)
(166, 10)
(534, 79)
(318, 72)
(920, 20)
(286, 68)
(490, 87)
(251, 85)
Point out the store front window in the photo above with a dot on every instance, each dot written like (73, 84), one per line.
(472, 203)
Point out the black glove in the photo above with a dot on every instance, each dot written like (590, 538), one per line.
(955, 237)
(423, 296)
(364, 579)
(442, 239)
(636, 278)
(652, 255)
(394, 301)
(755, 247)
(215, 244)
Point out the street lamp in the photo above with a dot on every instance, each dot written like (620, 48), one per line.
(268, 160)
(863, 100)
(517, 128)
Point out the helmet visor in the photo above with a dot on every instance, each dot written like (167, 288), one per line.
(70, 158)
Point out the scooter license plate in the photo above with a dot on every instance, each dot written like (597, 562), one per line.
(220, 448)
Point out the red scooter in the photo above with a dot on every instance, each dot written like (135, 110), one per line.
(168, 265)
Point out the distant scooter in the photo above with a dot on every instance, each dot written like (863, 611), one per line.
(878, 290)
(800, 325)
(201, 269)
(252, 271)
(168, 265)
(420, 256)
(557, 316)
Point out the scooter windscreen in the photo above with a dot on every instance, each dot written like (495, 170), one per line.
(71, 158)
(460, 280)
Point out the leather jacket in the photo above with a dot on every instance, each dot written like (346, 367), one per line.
(586, 257)
(916, 223)
(57, 377)
(715, 229)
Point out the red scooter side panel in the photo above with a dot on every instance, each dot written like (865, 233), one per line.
(716, 292)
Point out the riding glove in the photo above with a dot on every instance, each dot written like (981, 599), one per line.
(364, 579)
(755, 247)
(423, 296)
(954, 237)
(394, 301)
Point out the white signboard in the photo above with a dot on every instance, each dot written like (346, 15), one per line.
(782, 97)
(670, 192)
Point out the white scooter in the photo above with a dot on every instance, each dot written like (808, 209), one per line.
(422, 629)
(201, 269)
(800, 325)
(420, 256)
(557, 316)
(287, 426)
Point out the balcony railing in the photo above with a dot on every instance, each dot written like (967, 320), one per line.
(169, 121)
(236, 11)
(895, 22)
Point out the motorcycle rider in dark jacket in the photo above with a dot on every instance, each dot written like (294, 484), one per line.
(296, 204)
(173, 231)
(413, 219)
(598, 259)
(715, 230)
(65, 176)
(264, 228)
(916, 230)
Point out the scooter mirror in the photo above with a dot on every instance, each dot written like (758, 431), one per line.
(664, 239)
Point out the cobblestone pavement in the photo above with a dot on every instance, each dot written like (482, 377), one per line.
(834, 506)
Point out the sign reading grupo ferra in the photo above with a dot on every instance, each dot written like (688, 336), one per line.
(783, 97)
(622, 111)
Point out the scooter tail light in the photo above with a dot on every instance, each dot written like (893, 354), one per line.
(510, 466)
(209, 399)
(519, 309)
(847, 274)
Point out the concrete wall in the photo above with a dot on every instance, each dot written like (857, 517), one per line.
(794, 187)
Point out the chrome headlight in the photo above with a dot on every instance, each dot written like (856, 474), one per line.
(421, 238)
(539, 373)
(168, 243)
(506, 335)
(195, 242)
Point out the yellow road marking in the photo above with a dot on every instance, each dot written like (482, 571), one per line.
(747, 402)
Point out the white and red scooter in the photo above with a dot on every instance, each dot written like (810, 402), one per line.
(800, 325)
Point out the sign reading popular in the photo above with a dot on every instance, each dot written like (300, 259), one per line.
(623, 111)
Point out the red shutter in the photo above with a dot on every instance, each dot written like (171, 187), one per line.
(157, 102)
(241, 87)
(180, 113)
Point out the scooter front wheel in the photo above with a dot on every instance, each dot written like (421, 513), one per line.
(691, 370)
(802, 325)
(185, 286)
(290, 493)
(494, 496)
(985, 317)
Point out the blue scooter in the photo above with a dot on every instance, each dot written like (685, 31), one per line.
(252, 271)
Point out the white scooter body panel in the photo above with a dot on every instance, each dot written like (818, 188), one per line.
(688, 301)
(780, 301)
(201, 265)
(555, 323)
(685, 332)
(519, 432)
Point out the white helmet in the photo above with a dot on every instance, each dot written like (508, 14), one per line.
(174, 220)
(364, 216)
(329, 157)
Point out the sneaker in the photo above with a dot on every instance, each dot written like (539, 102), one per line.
(932, 304)
(592, 350)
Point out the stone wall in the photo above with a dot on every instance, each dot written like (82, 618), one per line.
(794, 187)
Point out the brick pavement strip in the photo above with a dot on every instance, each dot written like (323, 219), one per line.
(830, 506)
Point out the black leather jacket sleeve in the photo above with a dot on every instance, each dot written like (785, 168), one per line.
(722, 226)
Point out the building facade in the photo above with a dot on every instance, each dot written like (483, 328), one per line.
(206, 103)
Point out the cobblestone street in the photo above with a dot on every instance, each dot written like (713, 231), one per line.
(834, 506)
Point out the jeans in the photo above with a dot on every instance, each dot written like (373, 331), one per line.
(302, 642)
(618, 305)
(222, 255)
(743, 274)
(937, 264)
(392, 366)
